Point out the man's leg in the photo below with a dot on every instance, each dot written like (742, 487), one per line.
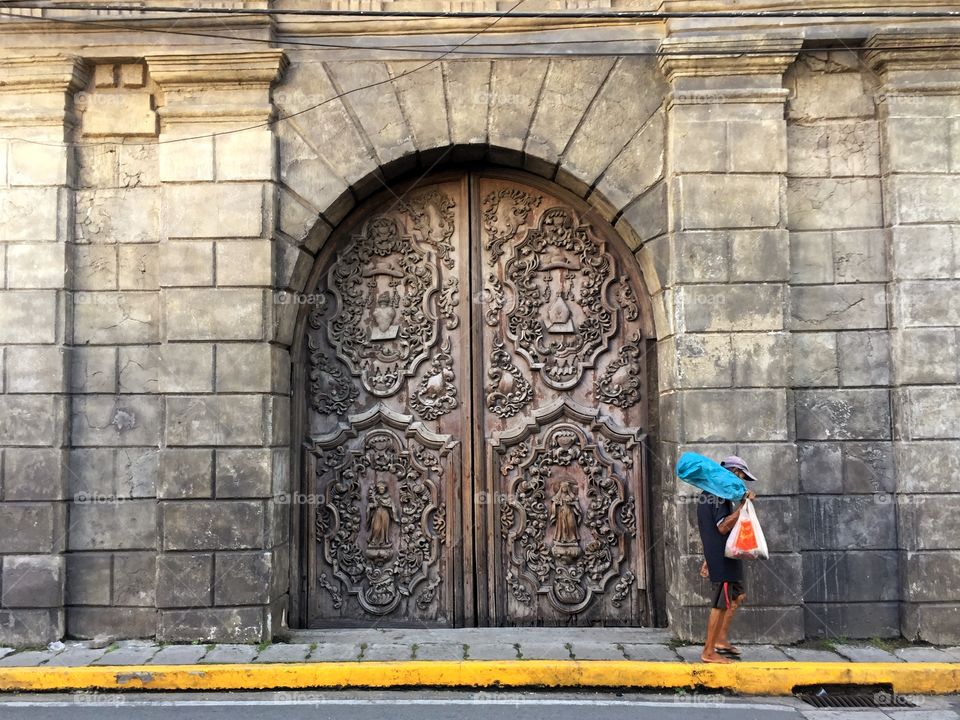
(723, 639)
(714, 625)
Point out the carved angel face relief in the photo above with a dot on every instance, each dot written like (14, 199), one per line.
(561, 319)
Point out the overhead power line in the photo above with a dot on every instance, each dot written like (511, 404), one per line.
(421, 14)
(458, 49)
(493, 49)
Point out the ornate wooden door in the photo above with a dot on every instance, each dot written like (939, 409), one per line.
(477, 385)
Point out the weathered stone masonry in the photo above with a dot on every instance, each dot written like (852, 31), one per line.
(793, 212)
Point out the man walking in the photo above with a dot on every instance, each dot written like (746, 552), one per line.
(716, 518)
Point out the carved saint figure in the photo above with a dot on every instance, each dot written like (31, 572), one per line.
(380, 512)
(566, 514)
(384, 315)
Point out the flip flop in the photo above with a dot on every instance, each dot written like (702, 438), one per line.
(732, 651)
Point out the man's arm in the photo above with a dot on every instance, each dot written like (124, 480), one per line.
(726, 525)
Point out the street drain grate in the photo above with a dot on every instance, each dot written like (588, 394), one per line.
(852, 697)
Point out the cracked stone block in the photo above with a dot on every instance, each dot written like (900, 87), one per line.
(34, 474)
(440, 651)
(179, 655)
(865, 653)
(282, 653)
(923, 654)
(231, 625)
(843, 414)
(185, 473)
(811, 655)
(230, 653)
(386, 652)
(690, 653)
(122, 525)
(242, 578)
(32, 581)
(334, 652)
(28, 658)
(762, 653)
(658, 653)
(75, 657)
(127, 656)
(213, 525)
(544, 651)
(596, 651)
(29, 527)
(491, 651)
(183, 580)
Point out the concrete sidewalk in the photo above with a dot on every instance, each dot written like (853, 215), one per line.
(475, 657)
(392, 645)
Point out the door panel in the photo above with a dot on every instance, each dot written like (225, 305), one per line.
(388, 391)
(476, 390)
(562, 413)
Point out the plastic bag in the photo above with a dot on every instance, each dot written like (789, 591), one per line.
(704, 473)
(746, 541)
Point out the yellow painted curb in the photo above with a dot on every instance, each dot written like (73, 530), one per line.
(749, 678)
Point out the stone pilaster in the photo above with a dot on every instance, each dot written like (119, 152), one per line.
(725, 371)
(36, 174)
(920, 125)
(841, 349)
(226, 387)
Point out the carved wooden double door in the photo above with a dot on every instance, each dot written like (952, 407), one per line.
(476, 387)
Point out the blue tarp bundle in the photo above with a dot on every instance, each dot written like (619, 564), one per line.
(704, 473)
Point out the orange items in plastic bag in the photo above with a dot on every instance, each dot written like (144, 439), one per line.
(746, 541)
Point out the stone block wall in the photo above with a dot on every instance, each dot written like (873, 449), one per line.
(37, 167)
(793, 213)
(920, 127)
(116, 413)
(841, 348)
(725, 370)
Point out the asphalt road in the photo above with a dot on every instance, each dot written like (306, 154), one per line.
(433, 705)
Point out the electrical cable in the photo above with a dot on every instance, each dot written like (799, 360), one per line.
(421, 14)
(272, 121)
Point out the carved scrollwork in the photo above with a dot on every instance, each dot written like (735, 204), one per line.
(383, 328)
(622, 588)
(431, 212)
(621, 383)
(505, 211)
(493, 300)
(437, 393)
(507, 390)
(447, 303)
(565, 512)
(336, 599)
(374, 523)
(561, 318)
(627, 300)
(331, 389)
(518, 590)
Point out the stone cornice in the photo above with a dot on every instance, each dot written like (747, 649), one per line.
(216, 87)
(912, 50)
(728, 55)
(915, 62)
(259, 68)
(42, 73)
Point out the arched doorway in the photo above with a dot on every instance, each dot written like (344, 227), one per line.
(474, 391)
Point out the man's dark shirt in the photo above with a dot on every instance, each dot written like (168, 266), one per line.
(711, 510)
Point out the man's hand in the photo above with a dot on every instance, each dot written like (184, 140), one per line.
(751, 495)
(704, 570)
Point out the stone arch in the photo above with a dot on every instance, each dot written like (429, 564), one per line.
(595, 126)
